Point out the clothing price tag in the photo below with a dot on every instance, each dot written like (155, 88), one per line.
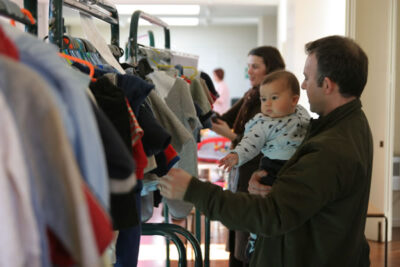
(94, 36)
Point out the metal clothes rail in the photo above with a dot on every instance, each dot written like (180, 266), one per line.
(133, 32)
(11, 10)
(95, 8)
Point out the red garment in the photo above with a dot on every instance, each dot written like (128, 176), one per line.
(7, 47)
(170, 154)
(214, 97)
(58, 254)
(140, 158)
(101, 222)
(102, 230)
(136, 130)
(137, 146)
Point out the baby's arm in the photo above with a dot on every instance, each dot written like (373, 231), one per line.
(229, 161)
(251, 144)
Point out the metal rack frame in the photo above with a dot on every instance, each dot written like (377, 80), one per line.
(20, 18)
(133, 32)
(106, 13)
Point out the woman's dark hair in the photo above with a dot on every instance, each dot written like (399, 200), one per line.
(271, 56)
(341, 60)
(289, 78)
(219, 73)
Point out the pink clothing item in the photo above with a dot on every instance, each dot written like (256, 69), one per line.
(222, 104)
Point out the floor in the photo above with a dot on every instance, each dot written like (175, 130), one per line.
(153, 248)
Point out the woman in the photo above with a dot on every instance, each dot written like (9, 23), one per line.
(261, 61)
(221, 105)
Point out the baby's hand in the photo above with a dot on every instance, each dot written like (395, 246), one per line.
(229, 161)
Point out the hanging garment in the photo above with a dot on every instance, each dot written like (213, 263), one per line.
(19, 239)
(56, 178)
(169, 121)
(111, 100)
(180, 102)
(199, 96)
(68, 88)
(121, 169)
(7, 47)
(210, 85)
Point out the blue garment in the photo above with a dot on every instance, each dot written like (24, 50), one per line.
(135, 89)
(128, 241)
(68, 87)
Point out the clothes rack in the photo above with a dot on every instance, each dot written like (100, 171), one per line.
(11, 10)
(150, 229)
(133, 33)
(95, 8)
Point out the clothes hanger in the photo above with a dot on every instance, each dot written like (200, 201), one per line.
(27, 14)
(84, 62)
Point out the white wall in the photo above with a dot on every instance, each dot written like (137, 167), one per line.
(372, 26)
(303, 21)
(267, 30)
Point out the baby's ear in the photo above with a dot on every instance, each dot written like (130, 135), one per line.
(295, 99)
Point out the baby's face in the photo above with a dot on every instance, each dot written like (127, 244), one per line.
(277, 99)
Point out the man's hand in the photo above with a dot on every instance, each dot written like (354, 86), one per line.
(229, 161)
(174, 184)
(255, 187)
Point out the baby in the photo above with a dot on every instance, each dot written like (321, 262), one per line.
(276, 132)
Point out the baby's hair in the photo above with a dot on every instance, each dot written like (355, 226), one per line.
(289, 77)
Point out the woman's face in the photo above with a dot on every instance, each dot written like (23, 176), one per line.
(256, 69)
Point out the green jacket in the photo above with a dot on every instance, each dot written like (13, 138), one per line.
(316, 211)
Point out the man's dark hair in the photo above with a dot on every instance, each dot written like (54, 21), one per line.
(271, 56)
(219, 73)
(289, 78)
(341, 60)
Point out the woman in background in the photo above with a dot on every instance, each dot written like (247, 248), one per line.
(222, 104)
(261, 61)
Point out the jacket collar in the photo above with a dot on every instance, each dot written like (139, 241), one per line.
(325, 122)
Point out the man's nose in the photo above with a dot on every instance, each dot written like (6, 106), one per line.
(303, 85)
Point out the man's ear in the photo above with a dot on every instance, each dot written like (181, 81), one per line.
(329, 86)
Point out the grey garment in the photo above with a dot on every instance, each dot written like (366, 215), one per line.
(179, 100)
(179, 134)
(55, 174)
(199, 96)
(150, 182)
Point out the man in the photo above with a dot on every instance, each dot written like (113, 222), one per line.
(315, 213)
